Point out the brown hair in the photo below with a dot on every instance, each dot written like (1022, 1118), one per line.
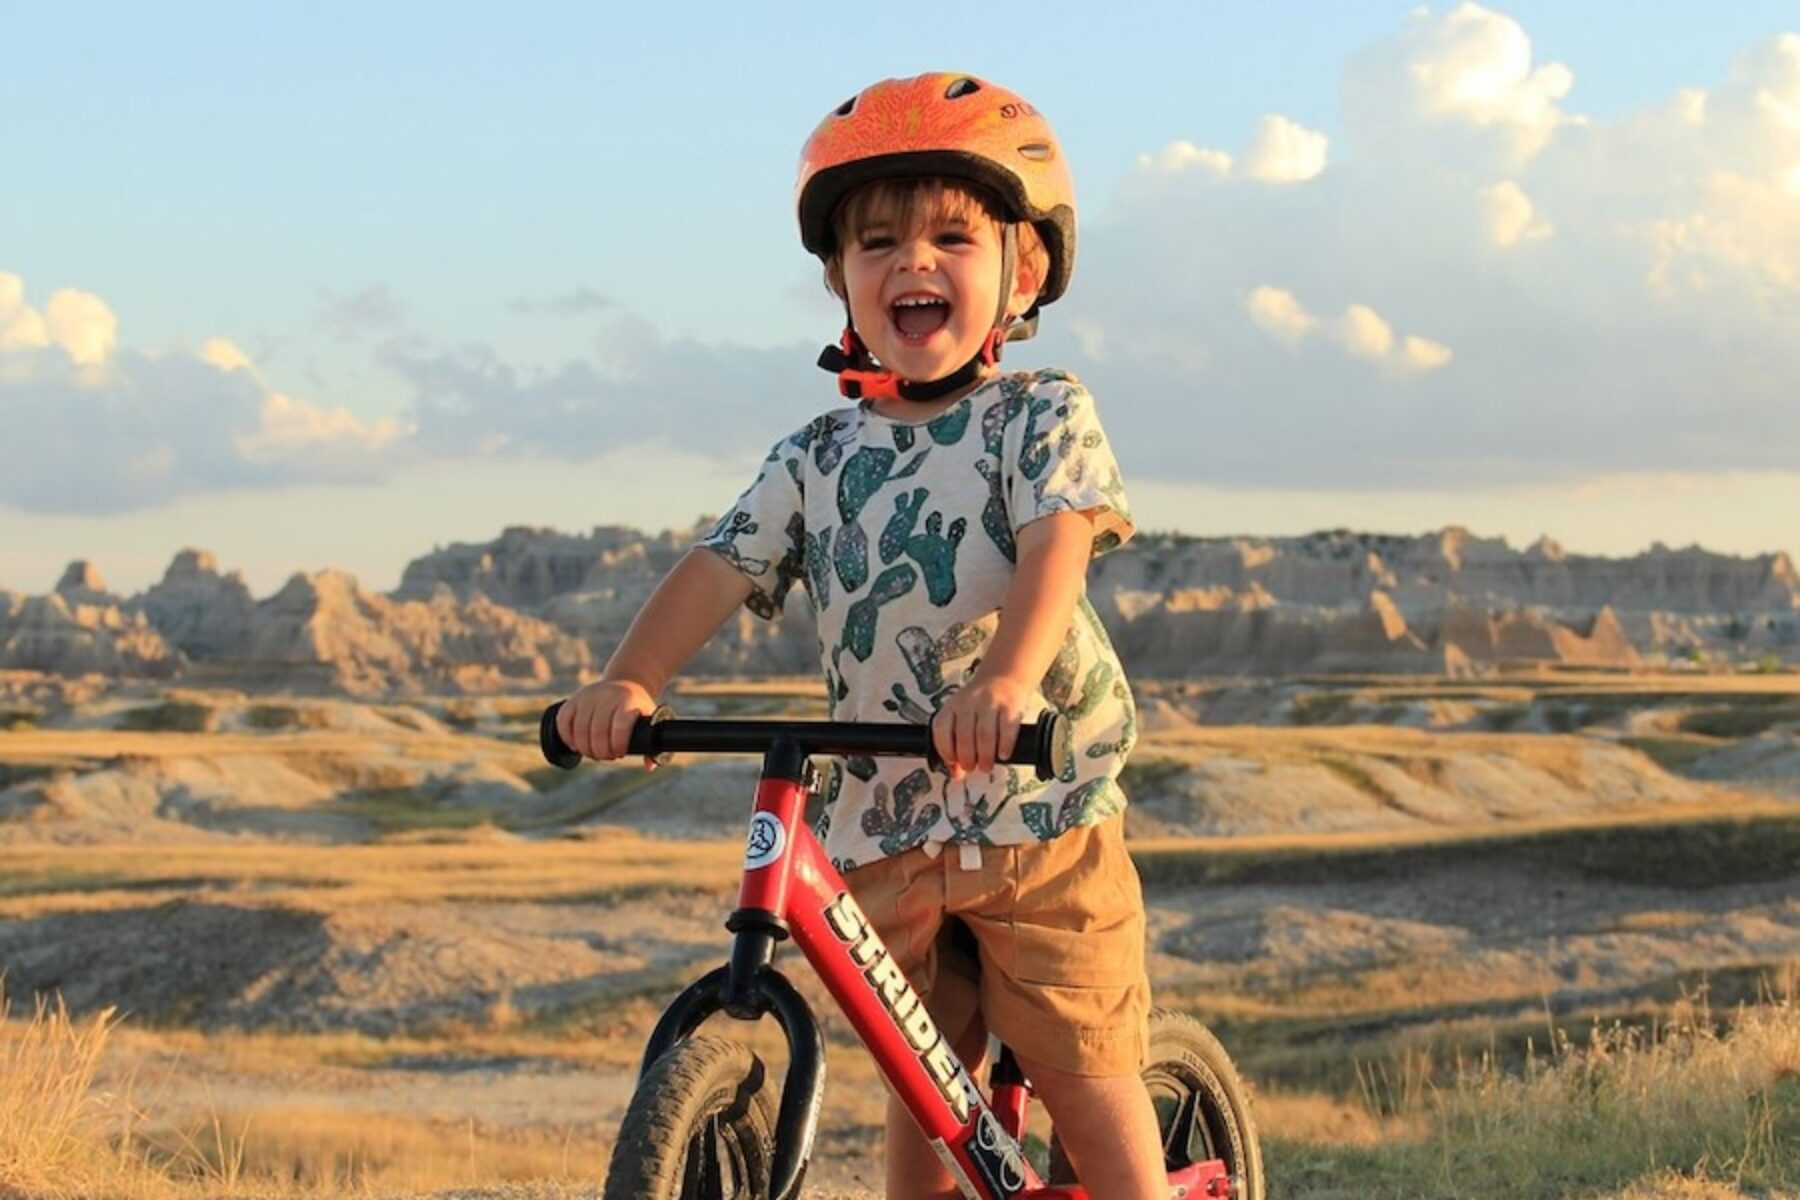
(908, 203)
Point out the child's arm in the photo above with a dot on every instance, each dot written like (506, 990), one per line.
(687, 608)
(978, 725)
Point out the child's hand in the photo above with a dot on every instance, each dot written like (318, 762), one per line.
(596, 721)
(979, 724)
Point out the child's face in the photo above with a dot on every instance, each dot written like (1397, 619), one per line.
(924, 298)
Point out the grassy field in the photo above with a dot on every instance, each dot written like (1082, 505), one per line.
(1703, 1105)
(1545, 950)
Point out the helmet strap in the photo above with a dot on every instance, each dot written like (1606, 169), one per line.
(859, 379)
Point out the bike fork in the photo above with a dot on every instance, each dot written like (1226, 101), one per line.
(803, 1090)
(749, 987)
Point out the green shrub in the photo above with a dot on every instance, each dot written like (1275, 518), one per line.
(170, 716)
(1323, 708)
(1148, 776)
(272, 716)
(1745, 719)
(19, 718)
(1670, 753)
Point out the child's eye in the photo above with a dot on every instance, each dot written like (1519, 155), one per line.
(876, 241)
(955, 237)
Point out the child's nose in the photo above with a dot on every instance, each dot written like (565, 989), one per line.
(917, 254)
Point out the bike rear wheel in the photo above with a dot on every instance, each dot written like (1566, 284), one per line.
(701, 1126)
(1202, 1106)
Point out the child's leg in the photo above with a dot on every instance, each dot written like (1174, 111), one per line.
(1108, 1129)
(903, 897)
(914, 1170)
(1063, 983)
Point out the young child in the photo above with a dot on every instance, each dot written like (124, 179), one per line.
(942, 527)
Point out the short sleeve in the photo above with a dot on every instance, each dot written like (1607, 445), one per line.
(1065, 463)
(763, 534)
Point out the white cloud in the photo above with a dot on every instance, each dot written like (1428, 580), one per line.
(96, 427)
(1542, 295)
(21, 327)
(292, 428)
(1282, 151)
(78, 322)
(1423, 354)
(1285, 152)
(1361, 332)
(636, 386)
(1277, 312)
(1469, 70)
(1365, 334)
(1616, 295)
(82, 324)
(1508, 212)
(223, 354)
(1186, 156)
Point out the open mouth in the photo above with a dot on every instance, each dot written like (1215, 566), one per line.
(918, 317)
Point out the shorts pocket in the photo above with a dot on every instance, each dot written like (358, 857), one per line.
(1078, 916)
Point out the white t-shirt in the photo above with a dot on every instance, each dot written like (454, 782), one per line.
(902, 533)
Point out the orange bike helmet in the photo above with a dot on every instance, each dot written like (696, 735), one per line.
(948, 125)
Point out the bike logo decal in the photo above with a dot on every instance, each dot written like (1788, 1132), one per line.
(851, 927)
(767, 840)
(996, 1156)
(953, 1165)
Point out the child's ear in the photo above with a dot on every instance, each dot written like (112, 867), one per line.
(1026, 286)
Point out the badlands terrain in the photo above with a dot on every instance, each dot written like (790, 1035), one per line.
(534, 609)
(377, 946)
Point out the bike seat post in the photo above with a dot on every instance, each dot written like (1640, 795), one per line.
(761, 916)
(1011, 1093)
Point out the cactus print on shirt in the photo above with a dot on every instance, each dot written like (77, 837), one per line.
(903, 534)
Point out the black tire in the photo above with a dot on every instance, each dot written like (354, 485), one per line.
(1202, 1105)
(701, 1126)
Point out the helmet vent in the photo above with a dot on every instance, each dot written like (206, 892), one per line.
(960, 88)
(1037, 151)
(843, 110)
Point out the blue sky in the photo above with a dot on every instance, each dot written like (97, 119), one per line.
(379, 205)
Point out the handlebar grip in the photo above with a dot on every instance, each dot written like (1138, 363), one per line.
(557, 752)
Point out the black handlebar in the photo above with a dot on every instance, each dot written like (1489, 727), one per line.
(1036, 747)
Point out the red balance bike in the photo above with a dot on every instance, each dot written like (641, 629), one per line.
(703, 1124)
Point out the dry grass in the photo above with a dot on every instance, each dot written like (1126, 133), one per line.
(331, 1152)
(87, 747)
(61, 1138)
(1691, 1108)
(475, 866)
(482, 864)
(1517, 686)
(52, 1124)
(1746, 838)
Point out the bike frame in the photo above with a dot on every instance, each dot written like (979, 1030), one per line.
(790, 889)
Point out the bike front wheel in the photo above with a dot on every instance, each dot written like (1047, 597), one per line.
(701, 1126)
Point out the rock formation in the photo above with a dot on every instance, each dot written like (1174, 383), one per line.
(81, 584)
(535, 609)
(325, 628)
(205, 613)
(48, 633)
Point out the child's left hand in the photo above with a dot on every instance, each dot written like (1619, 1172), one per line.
(979, 724)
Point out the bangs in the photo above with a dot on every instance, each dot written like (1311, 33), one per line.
(904, 205)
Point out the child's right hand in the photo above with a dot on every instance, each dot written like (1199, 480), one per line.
(597, 721)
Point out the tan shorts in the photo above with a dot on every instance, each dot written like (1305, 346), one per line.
(1059, 932)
